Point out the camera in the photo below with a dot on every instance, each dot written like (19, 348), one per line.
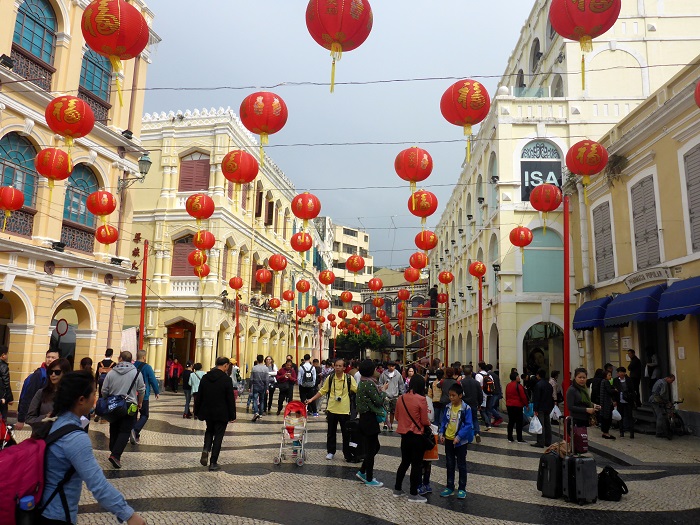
(338, 398)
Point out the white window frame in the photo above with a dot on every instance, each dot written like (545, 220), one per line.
(632, 181)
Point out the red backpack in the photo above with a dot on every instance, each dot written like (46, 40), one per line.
(23, 473)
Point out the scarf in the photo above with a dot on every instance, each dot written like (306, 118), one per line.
(585, 396)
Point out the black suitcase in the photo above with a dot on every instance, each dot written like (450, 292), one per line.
(549, 476)
(579, 475)
(356, 441)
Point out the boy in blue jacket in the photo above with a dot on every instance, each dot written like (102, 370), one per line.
(456, 431)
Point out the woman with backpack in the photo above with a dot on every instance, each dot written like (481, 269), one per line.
(74, 399)
(195, 377)
(42, 403)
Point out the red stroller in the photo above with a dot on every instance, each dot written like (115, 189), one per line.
(7, 437)
(293, 434)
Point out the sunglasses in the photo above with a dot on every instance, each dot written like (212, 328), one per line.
(55, 372)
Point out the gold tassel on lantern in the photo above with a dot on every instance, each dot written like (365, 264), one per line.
(118, 69)
(263, 141)
(336, 54)
(468, 134)
(7, 216)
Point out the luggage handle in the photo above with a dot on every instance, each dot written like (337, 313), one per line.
(569, 435)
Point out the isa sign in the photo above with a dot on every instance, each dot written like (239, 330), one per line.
(536, 172)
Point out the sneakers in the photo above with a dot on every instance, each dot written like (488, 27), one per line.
(374, 483)
(417, 499)
(204, 459)
(214, 467)
(428, 489)
(315, 414)
(362, 477)
(498, 422)
(421, 491)
(132, 437)
(511, 441)
(461, 494)
(256, 417)
(447, 493)
(478, 438)
(522, 441)
(115, 462)
(397, 493)
(329, 456)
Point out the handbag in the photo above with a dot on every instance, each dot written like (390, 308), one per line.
(428, 439)
(114, 407)
(529, 410)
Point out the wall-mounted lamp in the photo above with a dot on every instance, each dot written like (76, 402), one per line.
(7, 62)
(460, 230)
(58, 246)
(452, 242)
(461, 294)
(494, 179)
(437, 266)
(447, 251)
(481, 200)
(496, 267)
(442, 259)
(470, 217)
(539, 55)
(561, 57)
(470, 287)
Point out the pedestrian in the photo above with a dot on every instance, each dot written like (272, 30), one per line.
(370, 407)
(74, 400)
(412, 418)
(473, 395)
(543, 404)
(31, 385)
(123, 380)
(435, 393)
(594, 383)
(607, 404)
(624, 387)
(195, 379)
(484, 380)
(216, 405)
(42, 403)
(660, 400)
(294, 365)
(103, 368)
(259, 381)
(635, 374)
(396, 388)
(578, 400)
(494, 400)
(557, 394)
(150, 381)
(455, 433)
(175, 373)
(235, 373)
(516, 400)
(187, 389)
(339, 386)
(410, 371)
(86, 364)
(306, 378)
(272, 385)
(6, 397)
(286, 379)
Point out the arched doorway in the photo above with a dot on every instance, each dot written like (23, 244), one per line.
(470, 350)
(493, 353)
(543, 347)
(182, 341)
(76, 343)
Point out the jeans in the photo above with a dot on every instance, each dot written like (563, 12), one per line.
(371, 449)
(258, 400)
(213, 437)
(545, 438)
(307, 392)
(458, 454)
(119, 431)
(438, 408)
(188, 398)
(174, 381)
(286, 391)
(143, 417)
(270, 395)
(492, 407)
(331, 444)
(427, 467)
(411, 456)
(515, 419)
(485, 412)
(627, 423)
(475, 421)
(661, 419)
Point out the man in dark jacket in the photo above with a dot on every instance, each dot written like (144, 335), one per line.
(474, 397)
(216, 405)
(36, 382)
(5, 389)
(543, 403)
(635, 375)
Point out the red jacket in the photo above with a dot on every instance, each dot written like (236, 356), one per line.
(418, 408)
(515, 395)
(282, 372)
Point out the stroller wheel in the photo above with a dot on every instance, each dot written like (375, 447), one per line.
(303, 455)
(300, 462)
(277, 460)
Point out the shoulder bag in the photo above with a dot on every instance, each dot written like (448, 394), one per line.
(115, 407)
(428, 439)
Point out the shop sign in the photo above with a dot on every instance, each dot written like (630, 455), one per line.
(533, 173)
(647, 276)
(176, 333)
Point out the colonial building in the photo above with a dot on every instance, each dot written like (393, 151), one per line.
(539, 110)
(639, 264)
(51, 267)
(347, 242)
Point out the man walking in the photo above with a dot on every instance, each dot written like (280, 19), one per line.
(124, 380)
(474, 397)
(286, 379)
(32, 385)
(338, 385)
(622, 384)
(433, 295)
(307, 382)
(5, 389)
(660, 400)
(488, 387)
(635, 375)
(396, 388)
(149, 378)
(543, 403)
(259, 380)
(493, 402)
(216, 405)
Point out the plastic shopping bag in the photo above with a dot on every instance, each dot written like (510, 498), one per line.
(529, 410)
(555, 415)
(535, 426)
(616, 415)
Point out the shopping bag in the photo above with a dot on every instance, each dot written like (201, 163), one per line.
(432, 454)
(529, 410)
(555, 415)
(616, 415)
(535, 426)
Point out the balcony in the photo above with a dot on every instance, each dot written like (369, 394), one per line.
(184, 286)
(21, 222)
(32, 68)
(530, 92)
(99, 107)
(78, 237)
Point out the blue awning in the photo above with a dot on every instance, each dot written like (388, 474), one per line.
(640, 305)
(591, 314)
(680, 299)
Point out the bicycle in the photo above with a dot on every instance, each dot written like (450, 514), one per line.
(675, 424)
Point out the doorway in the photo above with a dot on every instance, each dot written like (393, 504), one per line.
(182, 341)
(543, 347)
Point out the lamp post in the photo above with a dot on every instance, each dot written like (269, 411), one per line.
(481, 320)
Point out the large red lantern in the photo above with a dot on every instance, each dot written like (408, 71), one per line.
(197, 258)
(263, 275)
(331, 317)
(303, 286)
(426, 240)
(445, 277)
(202, 270)
(274, 303)
(378, 302)
(11, 199)
(101, 203)
(54, 164)
(357, 309)
(323, 304)
(411, 274)
(346, 297)
(355, 264)
(200, 206)
(418, 260)
(263, 113)
(288, 295)
(586, 158)
(465, 103)
(442, 298)
(301, 313)
(403, 294)
(343, 314)
(116, 30)
(277, 262)
(321, 319)
(301, 242)
(477, 269)
(236, 283)
(545, 198)
(70, 117)
(422, 204)
(375, 284)
(339, 26)
(106, 234)
(204, 240)
(239, 167)
(326, 277)
(521, 237)
(306, 206)
(413, 165)
(311, 309)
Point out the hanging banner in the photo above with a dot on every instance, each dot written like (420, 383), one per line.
(536, 172)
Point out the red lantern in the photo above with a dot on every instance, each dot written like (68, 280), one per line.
(326, 277)
(101, 203)
(357, 309)
(545, 198)
(465, 103)
(346, 297)
(401, 307)
(331, 317)
(354, 264)
(413, 165)
(521, 236)
(106, 234)
(54, 164)
(375, 284)
(586, 158)
(303, 286)
(202, 270)
(333, 323)
(239, 167)
(442, 298)
(422, 204)
(274, 303)
(116, 30)
(306, 206)
(366, 318)
(404, 294)
(311, 309)
(263, 113)
(380, 313)
(200, 206)
(197, 258)
(263, 275)
(426, 240)
(277, 262)
(301, 242)
(301, 313)
(321, 319)
(477, 269)
(445, 277)
(71, 118)
(411, 274)
(288, 295)
(342, 314)
(204, 240)
(323, 304)
(339, 28)
(11, 200)
(236, 283)
(418, 260)
(378, 302)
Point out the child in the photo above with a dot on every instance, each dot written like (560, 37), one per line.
(293, 420)
(456, 431)
(429, 456)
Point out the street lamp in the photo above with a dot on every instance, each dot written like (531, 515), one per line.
(145, 163)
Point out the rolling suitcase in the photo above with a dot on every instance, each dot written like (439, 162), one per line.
(356, 441)
(579, 476)
(549, 476)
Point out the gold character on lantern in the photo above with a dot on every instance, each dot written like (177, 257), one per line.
(580, 4)
(276, 107)
(593, 157)
(107, 23)
(332, 7)
(72, 115)
(259, 106)
(478, 100)
(231, 165)
(600, 6)
(356, 9)
(464, 94)
(424, 163)
(412, 159)
(196, 204)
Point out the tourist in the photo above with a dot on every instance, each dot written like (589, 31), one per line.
(660, 400)
(272, 385)
(35, 381)
(370, 406)
(608, 402)
(543, 404)
(195, 379)
(516, 400)
(393, 378)
(624, 386)
(42, 404)
(578, 400)
(259, 381)
(149, 379)
(286, 379)
(455, 433)
(6, 396)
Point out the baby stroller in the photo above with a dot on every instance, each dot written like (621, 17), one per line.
(7, 437)
(293, 434)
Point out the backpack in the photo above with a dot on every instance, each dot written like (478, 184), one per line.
(488, 386)
(103, 370)
(610, 485)
(307, 377)
(23, 469)
(27, 381)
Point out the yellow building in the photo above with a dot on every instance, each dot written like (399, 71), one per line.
(347, 242)
(51, 267)
(194, 319)
(639, 270)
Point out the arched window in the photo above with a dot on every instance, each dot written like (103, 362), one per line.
(541, 163)
(96, 75)
(545, 251)
(35, 29)
(558, 87)
(17, 165)
(194, 172)
(81, 183)
(535, 55)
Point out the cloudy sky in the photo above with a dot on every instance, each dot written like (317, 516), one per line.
(228, 49)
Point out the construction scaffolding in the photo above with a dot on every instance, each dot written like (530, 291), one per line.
(429, 336)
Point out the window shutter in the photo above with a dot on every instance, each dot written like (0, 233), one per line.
(180, 267)
(652, 228)
(269, 212)
(646, 233)
(258, 204)
(692, 177)
(605, 265)
(224, 264)
(186, 176)
(276, 218)
(230, 190)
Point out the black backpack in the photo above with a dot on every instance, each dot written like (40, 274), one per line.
(610, 485)
(489, 387)
(307, 378)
